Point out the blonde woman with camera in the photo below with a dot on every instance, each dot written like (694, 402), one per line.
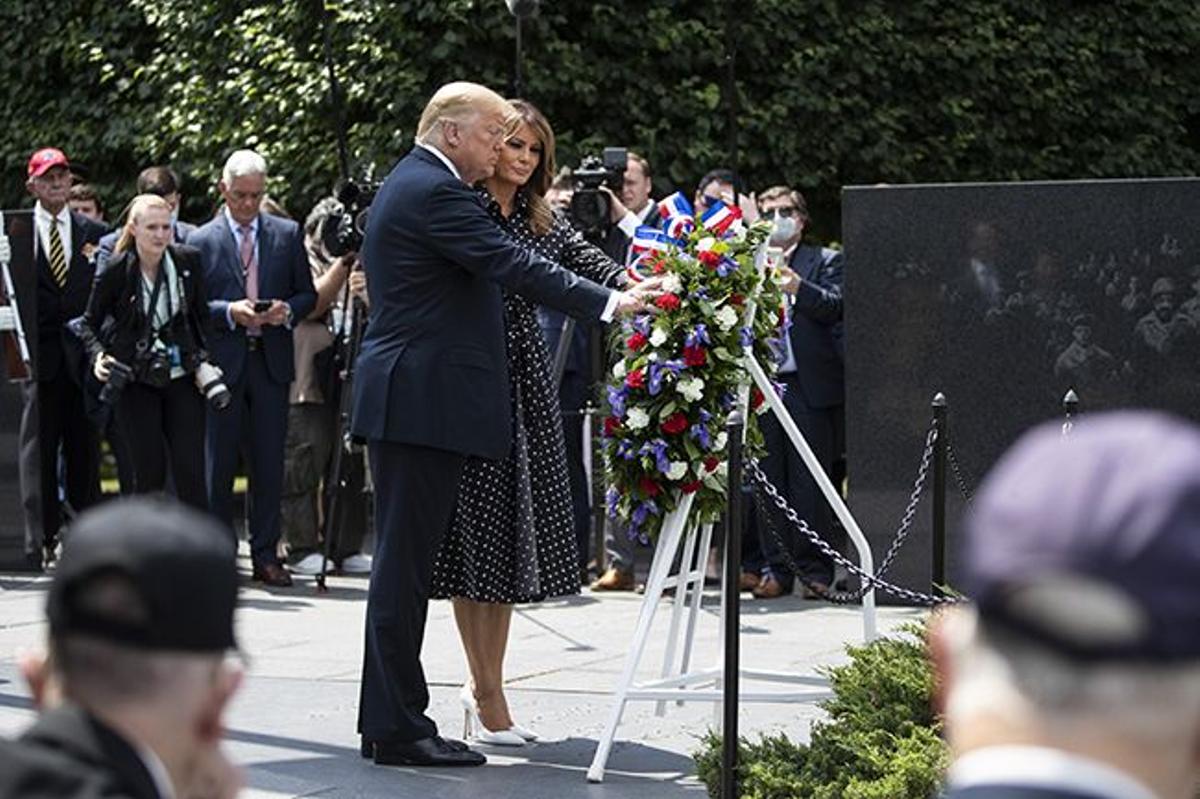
(144, 330)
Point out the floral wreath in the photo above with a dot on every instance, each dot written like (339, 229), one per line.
(680, 371)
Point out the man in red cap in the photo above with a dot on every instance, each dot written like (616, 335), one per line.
(54, 413)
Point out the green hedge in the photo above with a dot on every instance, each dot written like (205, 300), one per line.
(833, 92)
(881, 740)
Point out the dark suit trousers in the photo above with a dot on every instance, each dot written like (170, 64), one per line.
(415, 491)
(791, 477)
(256, 424)
(54, 409)
(174, 415)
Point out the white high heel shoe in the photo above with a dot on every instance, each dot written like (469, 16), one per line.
(481, 733)
(529, 736)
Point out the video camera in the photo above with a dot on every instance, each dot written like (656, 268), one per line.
(343, 231)
(590, 208)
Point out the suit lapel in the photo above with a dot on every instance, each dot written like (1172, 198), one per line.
(806, 261)
(266, 240)
(231, 258)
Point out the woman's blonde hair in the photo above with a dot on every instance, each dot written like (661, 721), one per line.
(137, 206)
(541, 217)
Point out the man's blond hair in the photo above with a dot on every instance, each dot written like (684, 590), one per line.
(459, 102)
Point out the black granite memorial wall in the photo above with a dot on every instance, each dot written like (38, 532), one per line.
(1004, 296)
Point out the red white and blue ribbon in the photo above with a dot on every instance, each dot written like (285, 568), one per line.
(647, 241)
(678, 217)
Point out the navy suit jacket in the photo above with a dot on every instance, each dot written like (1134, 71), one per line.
(108, 242)
(432, 370)
(816, 334)
(54, 349)
(283, 274)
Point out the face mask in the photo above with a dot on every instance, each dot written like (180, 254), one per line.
(784, 228)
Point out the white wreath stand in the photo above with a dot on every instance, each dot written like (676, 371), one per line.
(678, 680)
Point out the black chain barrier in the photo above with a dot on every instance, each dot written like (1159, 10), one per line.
(764, 490)
(959, 478)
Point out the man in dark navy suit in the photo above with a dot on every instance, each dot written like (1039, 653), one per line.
(1075, 674)
(431, 387)
(812, 375)
(258, 282)
(54, 410)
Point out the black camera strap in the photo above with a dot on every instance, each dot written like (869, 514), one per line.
(152, 309)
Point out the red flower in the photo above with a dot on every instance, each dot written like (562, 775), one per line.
(611, 425)
(711, 463)
(659, 267)
(710, 259)
(636, 378)
(649, 487)
(636, 341)
(756, 398)
(691, 488)
(782, 316)
(737, 299)
(668, 302)
(675, 423)
(694, 356)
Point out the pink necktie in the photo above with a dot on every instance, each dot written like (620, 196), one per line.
(250, 270)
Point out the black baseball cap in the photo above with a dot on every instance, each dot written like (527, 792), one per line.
(175, 568)
(1090, 542)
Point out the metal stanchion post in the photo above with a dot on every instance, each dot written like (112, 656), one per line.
(938, 574)
(1070, 409)
(733, 560)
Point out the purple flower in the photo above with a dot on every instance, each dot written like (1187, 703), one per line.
(705, 415)
(745, 336)
(674, 366)
(611, 497)
(616, 399)
(626, 450)
(777, 349)
(700, 433)
(698, 336)
(780, 389)
(726, 267)
(699, 294)
(654, 385)
(641, 324)
(728, 400)
(658, 449)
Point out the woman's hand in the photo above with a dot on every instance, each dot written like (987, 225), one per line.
(101, 367)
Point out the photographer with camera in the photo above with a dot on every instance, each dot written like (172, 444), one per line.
(313, 424)
(144, 330)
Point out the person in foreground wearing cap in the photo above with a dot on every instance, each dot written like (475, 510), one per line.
(135, 685)
(1076, 674)
(54, 413)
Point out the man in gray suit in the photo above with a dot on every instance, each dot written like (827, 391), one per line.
(1076, 674)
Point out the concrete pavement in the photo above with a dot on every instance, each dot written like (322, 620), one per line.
(292, 727)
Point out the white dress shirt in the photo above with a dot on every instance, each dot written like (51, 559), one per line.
(1048, 769)
(42, 220)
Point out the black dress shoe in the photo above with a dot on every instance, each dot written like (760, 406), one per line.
(272, 574)
(425, 752)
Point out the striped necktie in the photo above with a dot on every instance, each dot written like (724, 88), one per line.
(58, 259)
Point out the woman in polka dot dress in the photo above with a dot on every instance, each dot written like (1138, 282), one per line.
(512, 537)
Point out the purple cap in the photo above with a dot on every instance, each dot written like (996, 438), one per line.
(1090, 543)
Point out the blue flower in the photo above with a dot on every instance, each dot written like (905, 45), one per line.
(654, 384)
(611, 497)
(625, 449)
(616, 399)
(698, 336)
(641, 323)
(657, 448)
(705, 415)
(745, 336)
(700, 433)
(699, 294)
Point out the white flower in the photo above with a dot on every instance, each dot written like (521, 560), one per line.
(691, 388)
(618, 370)
(658, 337)
(705, 244)
(722, 440)
(672, 284)
(726, 318)
(677, 471)
(636, 418)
